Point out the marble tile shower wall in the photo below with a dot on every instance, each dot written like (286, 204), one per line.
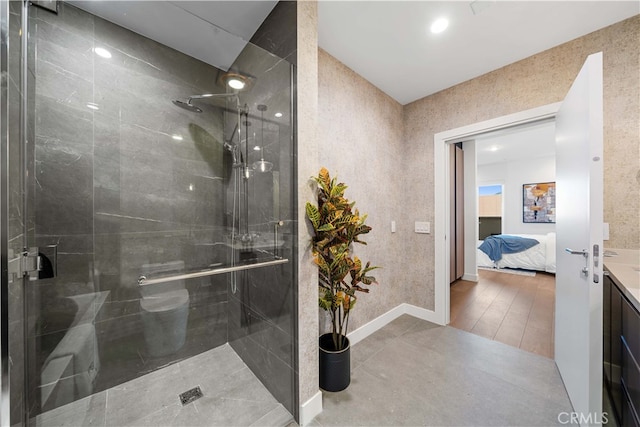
(262, 311)
(15, 218)
(115, 191)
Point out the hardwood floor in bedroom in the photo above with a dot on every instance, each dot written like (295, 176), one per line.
(513, 309)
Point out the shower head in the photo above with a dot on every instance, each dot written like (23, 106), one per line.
(188, 106)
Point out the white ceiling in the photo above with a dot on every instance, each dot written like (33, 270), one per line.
(389, 43)
(529, 141)
(386, 42)
(214, 32)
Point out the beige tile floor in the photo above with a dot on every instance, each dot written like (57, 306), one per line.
(415, 373)
(411, 372)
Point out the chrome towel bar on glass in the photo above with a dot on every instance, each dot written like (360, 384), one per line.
(143, 281)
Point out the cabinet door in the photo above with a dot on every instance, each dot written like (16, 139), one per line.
(616, 349)
(631, 355)
(606, 331)
(629, 419)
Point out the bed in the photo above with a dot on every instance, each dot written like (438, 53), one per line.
(540, 257)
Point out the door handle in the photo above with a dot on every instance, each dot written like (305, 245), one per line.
(583, 252)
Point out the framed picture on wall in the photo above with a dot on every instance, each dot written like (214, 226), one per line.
(539, 203)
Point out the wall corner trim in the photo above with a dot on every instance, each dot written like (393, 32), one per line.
(470, 277)
(310, 409)
(382, 320)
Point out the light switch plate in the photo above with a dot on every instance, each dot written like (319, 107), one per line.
(422, 227)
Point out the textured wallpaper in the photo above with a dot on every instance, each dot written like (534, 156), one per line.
(542, 79)
(389, 165)
(360, 137)
(384, 152)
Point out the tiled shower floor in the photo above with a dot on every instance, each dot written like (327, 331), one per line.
(232, 396)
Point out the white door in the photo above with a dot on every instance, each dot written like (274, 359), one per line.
(578, 327)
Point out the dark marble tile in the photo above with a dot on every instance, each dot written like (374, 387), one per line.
(245, 322)
(143, 206)
(74, 273)
(277, 34)
(64, 49)
(59, 123)
(155, 198)
(63, 86)
(17, 355)
(106, 152)
(106, 200)
(107, 254)
(145, 56)
(64, 194)
(277, 376)
(70, 19)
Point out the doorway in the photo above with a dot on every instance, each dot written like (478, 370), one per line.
(442, 190)
(512, 303)
(579, 324)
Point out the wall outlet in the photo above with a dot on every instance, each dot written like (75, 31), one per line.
(423, 227)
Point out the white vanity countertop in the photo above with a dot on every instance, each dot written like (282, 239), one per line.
(624, 266)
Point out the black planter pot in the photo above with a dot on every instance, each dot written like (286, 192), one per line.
(335, 365)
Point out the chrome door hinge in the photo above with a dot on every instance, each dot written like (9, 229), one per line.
(31, 262)
(25, 262)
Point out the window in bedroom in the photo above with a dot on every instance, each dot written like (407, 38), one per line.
(489, 210)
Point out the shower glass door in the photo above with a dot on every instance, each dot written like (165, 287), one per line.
(162, 213)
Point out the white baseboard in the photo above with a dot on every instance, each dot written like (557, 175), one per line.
(380, 321)
(421, 313)
(367, 329)
(310, 409)
(470, 277)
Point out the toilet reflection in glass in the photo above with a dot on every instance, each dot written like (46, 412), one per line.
(164, 308)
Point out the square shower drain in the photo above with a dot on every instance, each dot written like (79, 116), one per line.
(190, 395)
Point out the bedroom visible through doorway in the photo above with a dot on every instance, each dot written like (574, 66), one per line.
(513, 299)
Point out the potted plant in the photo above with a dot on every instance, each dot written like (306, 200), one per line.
(336, 227)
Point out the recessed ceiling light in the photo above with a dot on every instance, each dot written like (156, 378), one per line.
(493, 148)
(100, 51)
(235, 83)
(278, 115)
(235, 80)
(439, 25)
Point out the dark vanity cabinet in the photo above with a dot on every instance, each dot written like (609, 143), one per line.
(621, 354)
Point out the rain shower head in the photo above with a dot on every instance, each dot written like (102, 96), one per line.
(188, 106)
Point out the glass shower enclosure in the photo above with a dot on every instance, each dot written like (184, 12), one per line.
(147, 214)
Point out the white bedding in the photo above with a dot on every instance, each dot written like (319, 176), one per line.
(541, 257)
